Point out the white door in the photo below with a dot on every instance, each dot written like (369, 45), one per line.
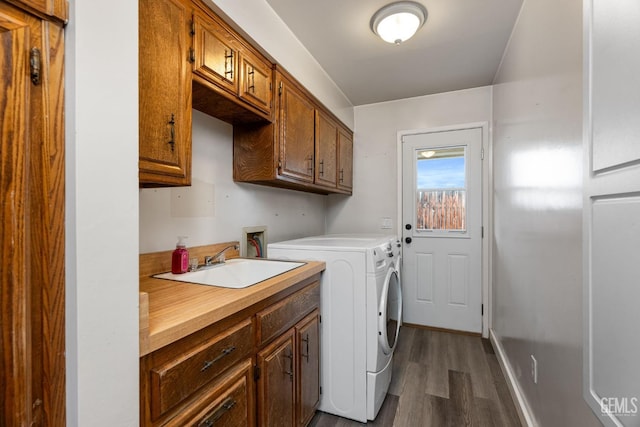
(611, 212)
(442, 226)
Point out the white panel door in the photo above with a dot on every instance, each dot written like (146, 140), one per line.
(442, 226)
(612, 211)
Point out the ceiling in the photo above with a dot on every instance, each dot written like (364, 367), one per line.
(459, 47)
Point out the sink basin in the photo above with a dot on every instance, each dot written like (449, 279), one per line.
(236, 273)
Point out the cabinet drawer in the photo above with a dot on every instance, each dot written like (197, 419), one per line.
(175, 380)
(276, 319)
(228, 403)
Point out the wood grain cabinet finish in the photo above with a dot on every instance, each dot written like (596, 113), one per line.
(164, 93)
(308, 368)
(298, 151)
(233, 81)
(276, 386)
(261, 364)
(230, 402)
(215, 53)
(326, 172)
(345, 160)
(57, 9)
(177, 379)
(288, 388)
(32, 188)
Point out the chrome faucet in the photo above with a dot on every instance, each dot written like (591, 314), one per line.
(219, 257)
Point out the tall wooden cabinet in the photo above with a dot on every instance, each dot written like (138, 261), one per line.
(164, 93)
(32, 323)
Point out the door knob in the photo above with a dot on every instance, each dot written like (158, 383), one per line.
(408, 226)
(407, 240)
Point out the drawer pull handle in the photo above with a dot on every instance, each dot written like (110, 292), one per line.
(290, 371)
(306, 354)
(217, 413)
(208, 363)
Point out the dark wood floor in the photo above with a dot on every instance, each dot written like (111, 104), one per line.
(441, 379)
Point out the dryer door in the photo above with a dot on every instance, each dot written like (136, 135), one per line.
(390, 311)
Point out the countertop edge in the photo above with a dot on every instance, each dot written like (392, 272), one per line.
(156, 333)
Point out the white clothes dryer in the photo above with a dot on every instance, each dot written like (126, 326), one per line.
(361, 313)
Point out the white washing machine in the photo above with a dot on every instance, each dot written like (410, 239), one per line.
(361, 312)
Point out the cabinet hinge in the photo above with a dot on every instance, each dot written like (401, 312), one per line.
(482, 232)
(280, 89)
(320, 390)
(35, 64)
(279, 164)
(320, 318)
(192, 30)
(482, 154)
(192, 55)
(256, 372)
(481, 309)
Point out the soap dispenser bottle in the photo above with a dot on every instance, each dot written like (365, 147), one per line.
(180, 257)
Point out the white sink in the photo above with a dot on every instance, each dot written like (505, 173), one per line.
(234, 273)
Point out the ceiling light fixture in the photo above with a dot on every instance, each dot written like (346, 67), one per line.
(398, 22)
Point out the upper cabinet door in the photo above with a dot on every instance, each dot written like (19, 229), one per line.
(326, 150)
(345, 167)
(296, 133)
(165, 93)
(56, 8)
(256, 80)
(216, 53)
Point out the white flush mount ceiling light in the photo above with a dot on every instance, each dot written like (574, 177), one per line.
(398, 22)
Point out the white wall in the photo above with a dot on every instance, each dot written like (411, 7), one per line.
(102, 214)
(538, 210)
(214, 208)
(375, 152)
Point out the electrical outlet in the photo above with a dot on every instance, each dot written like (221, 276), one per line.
(534, 369)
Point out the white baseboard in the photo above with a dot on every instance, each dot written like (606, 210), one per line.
(524, 413)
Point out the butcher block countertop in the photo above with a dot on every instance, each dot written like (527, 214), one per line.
(171, 310)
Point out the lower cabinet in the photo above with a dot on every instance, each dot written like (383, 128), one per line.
(308, 384)
(288, 388)
(259, 368)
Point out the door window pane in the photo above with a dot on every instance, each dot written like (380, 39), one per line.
(441, 189)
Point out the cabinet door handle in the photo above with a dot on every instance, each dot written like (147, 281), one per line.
(217, 413)
(290, 371)
(35, 63)
(321, 172)
(228, 62)
(208, 363)
(310, 168)
(306, 354)
(172, 123)
(341, 175)
(252, 78)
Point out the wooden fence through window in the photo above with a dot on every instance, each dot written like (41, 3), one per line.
(441, 210)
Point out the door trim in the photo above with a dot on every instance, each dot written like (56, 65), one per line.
(487, 203)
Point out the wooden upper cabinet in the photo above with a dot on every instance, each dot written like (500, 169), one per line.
(53, 8)
(345, 160)
(232, 81)
(216, 53)
(165, 93)
(256, 82)
(326, 150)
(296, 132)
(307, 148)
